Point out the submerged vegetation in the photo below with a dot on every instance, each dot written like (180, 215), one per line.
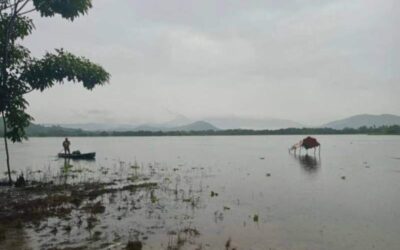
(80, 208)
(216, 198)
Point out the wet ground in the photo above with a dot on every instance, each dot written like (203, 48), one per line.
(205, 193)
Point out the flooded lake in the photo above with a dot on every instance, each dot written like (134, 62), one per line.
(243, 191)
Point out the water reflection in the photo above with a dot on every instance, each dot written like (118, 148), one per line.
(310, 164)
(71, 169)
(65, 171)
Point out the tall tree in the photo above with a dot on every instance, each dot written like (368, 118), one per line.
(20, 73)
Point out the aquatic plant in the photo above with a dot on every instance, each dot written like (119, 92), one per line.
(67, 228)
(95, 208)
(67, 167)
(255, 218)
(153, 197)
(134, 245)
(2, 234)
(91, 222)
(213, 194)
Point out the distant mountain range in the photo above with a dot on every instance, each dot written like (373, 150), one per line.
(376, 124)
(182, 123)
(233, 122)
(193, 126)
(169, 126)
(93, 126)
(364, 120)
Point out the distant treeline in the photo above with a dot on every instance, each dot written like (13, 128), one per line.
(55, 131)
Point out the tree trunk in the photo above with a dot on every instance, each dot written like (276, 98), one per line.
(4, 75)
(6, 148)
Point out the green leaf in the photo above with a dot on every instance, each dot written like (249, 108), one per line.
(22, 27)
(68, 9)
(61, 66)
(20, 73)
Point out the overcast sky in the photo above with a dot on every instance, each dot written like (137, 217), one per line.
(308, 61)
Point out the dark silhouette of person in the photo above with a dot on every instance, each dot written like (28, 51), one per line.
(66, 143)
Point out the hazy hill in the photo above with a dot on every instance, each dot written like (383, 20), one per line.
(170, 126)
(215, 124)
(195, 126)
(364, 120)
(231, 122)
(179, 120)
(203, 128)
(40, 130)
(249, 123)
(95, 126)
(151, 128)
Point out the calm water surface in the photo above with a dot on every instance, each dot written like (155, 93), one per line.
(346, 198)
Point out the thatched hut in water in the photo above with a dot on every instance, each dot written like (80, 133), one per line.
(307, 143)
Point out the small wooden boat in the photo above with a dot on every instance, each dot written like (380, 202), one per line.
(75, 156)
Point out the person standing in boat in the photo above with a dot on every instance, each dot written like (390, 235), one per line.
(66, 144)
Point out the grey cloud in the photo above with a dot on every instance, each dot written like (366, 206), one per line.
(310, 61)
